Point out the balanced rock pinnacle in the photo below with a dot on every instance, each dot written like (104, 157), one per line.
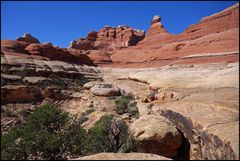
(27, 37)
(156, 26)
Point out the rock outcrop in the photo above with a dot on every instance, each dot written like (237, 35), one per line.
(204, 107)
(156, 27)
(216, 34)
(122, 156)
(32, 69)
(109, 39)
(44, 51)
(56, 53)
(27, 37)
(40, 74)
(157, 135)
(100, 45)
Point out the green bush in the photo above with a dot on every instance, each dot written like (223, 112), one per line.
(133, 109)
(88, 111)
(123, 137)
(49, 133)
(74, 139)
(125, 104)
(37, 137)
(122, 103)
(98, 140)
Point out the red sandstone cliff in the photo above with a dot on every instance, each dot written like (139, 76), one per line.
(217, 34)
(214, 39)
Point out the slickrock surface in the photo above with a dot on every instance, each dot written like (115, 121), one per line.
(207, 108)
(123, 156)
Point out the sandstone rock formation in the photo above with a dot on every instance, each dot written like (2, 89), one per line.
(40, 65)
(20, 94)
(17, 70)
(122, 156)
(27, 37)
(105, 89)
(206, 108)
(55, 53)
(156, 27)
(104, 42)
(157, 135)
(43, 52)
(109, 38)
(214, 39)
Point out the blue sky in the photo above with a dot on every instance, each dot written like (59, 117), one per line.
(63, 21)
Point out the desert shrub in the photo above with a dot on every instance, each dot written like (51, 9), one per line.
(74, 139)
(83, 118)
(98, 140)
(50, 133)
(122, 103)
(88, 111)
(38, 137)
(123, 137)
(133, 109)
(125, 104)
(102, 137)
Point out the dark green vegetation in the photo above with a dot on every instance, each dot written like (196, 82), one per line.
(50, 133)
(126, 104)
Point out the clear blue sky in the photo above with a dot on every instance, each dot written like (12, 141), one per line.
(61, 22)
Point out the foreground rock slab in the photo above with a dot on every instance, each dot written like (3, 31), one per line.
(206, 109)
(123, 156)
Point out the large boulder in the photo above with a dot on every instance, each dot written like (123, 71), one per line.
(156, 134)
(27, 37)
(105, 89)
(122, 156)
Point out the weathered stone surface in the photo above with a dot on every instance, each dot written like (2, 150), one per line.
(206, 104)
(20, 94)
(157, 135)
(27, 37)
(18, 65)
(12, 47)
(55, 53)
(90, 84)
(122, 156)
(34, 80)
(105, 89)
